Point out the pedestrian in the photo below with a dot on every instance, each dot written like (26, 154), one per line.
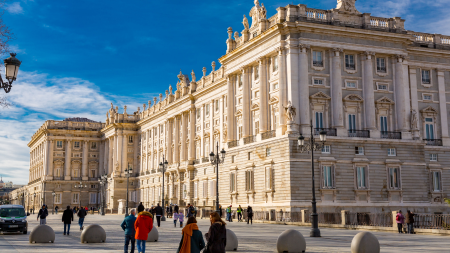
(176, 208)
(56, 209)
(43, 213)
(190, 211)
(140, 207)
(128, 226)
(400, 220)
(181, 218)
(229, 218)
(249, 215)
(239, 213)
(143, 225)
(167, 211)
(216, 238)
(158, 213)
(191, 239)
(409, 219)
(170, 211)
(67, 218)
(175, 219)
(220, 210)
(81, 215)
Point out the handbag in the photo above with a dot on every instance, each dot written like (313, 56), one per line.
(205, 249)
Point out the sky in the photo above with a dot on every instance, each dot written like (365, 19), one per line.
(79, 56)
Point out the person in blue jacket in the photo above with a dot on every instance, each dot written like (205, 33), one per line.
(128, 226)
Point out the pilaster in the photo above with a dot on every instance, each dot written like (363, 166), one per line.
(369, 95)
(292, 82)
(246, 79)
(263, 96)
(230, 108)
(84, 161)
(304, 109)
(67, 161)
(443, 107)
(282, 89)
(336, 92)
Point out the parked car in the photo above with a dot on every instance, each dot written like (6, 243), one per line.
(13, 219)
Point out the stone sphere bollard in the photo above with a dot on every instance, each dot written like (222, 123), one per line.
(93, 234)
(153, 236)
(365, 242)
(232, 241)
(42, 234)
(291, 241)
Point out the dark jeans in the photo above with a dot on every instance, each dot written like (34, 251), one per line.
(129, 238)
(80, 222)
(400, 227)
(141, 246)
(68, 228)
(158, 220)
(239, 216)
(250, 218)
(410, 228)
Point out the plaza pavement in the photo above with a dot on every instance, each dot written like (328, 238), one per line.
(252, 238)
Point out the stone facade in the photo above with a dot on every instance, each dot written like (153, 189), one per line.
(378, 90)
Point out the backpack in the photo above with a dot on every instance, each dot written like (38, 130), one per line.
(397, 218)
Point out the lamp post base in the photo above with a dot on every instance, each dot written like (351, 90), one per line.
(163, 218)
(315, 232)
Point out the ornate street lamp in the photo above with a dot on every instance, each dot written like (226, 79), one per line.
(127, 174)
(162, 168)
(312, 146)
(12, 65)
(80, 186)
(217, 159)
(53, 204)
(102, 180)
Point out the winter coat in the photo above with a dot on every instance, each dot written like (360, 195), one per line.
(400, 218)
(216, 238)
(67, 217)
(409, 218)
(158, 210)
(140, 207)
(82, 213)
(176, 209)
(197, 243)
(128, 225)
(43, 213)
(180, 217)
(250, 212)
(143, 225)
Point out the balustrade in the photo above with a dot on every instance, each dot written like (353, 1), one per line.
(433, 142)
(232, 144)
(250, 139)
(359, 133)
(391, 135)
(330, 131)
(268, 135)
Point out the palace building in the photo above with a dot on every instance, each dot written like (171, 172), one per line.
(382, 94)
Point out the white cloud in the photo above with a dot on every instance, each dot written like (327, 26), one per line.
(35, 98)
(14, 8)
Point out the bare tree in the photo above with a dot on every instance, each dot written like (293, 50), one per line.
(5, 37)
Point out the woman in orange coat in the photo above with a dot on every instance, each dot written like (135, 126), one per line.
(143, 225)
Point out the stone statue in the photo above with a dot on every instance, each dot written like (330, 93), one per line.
(414, 120)
(125, 110)
(290, 111)
(245, 22)
(170, 89)
(193, 76)
(112, 107)
(255, 13)
(262, 12)
(160, 97)
(347, 5)
(154, 100)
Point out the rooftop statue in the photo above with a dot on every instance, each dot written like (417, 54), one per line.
(347, 5)
(255, 13)
(245, 22)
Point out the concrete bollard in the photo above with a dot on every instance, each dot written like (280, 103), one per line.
(232, 241)
(153, 236)
(93, 234)
(42, 234)
(291, 241)
(365, 242)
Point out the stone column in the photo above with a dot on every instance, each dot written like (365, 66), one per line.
(192, 133)
(101, 149)
(221, 119)
(282, 88)
(118, 152)
(246, 79)
(105, 146)
(68, 162)
(400, 99)
(84, 161)
(211, 128)
(293, 84)
(369, 95)
(443, 107)
(177, 138)
(304, 110)
(135, 152)
(184, 116)
(110, 156)
(50, 158)
(263, 96)
(230, 108)
(45, 158)
(124, 153)
(147, 150)
(169, 141)
(336, 92)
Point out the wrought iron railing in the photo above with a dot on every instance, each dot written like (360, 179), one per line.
(432, 221)
(205, 159)
(261, 215)
(268, 135)
(153, 171)
(330, 218)
(330, 131)
(288, 216)
(369, 219)
(232, 144)
(350, 66)
(318, 63)
(391, 135)
(381, 69)
(433, 142)
(249, 139)
(359, 133)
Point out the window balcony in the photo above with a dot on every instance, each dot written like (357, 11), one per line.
(330, 131)
(433, 142)
(391, 135)
(350, 66)
(318, 63)
(76, 178)
(205, 159)
(381, 69)
(250, 139)
(233, 144)
(359, 133)
(196, 161)
(268, 135)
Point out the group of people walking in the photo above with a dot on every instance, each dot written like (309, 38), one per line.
(239, 212)
(67, 218)
(408, 219)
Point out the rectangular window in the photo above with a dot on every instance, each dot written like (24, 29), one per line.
(351, 122)
(59, 144)
(350, 61)
(240, 81)
(184, 191)
(327, 177)
(198, 113)
(429, 128)
(76, 144)
(75, 198)
(233, 158)
(361, 177)
(275, 63)
(350, 84)
(381, 65)
(195, 189)
(428, 97)
(359, 150)
(240, 132)
(207, 109)
(392, 152)
(383, 123)
(317, 59)
(93, 145)
(92, 198)
(205, 189)
(249, 155)
(256, 72)
(249, 180)
(433, 157)
(268, 178)
(232, 182)
(58, 198)
(382, 87)
(426, 76)
(394, 178)
(216, 102)
(318, 81)
(130, 139)
(326, 149)
(319, 119)
(212, 188)
(268, 152)
(256, 127)
(437, 181)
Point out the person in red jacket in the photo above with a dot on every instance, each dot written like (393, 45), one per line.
(143, 225)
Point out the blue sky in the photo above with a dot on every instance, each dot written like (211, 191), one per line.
(78, 56)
